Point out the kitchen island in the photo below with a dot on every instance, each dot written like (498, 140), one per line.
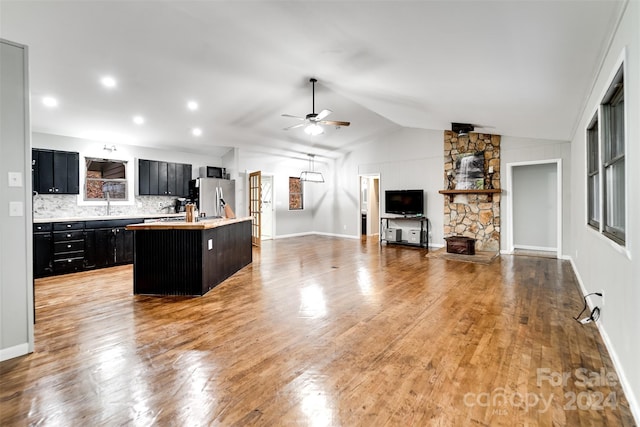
(188, 258)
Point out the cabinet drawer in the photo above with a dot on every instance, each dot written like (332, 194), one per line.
(61, 236)
(68, 246)
(68, 264)
(60, 226)
(67, 256)
(44, 226)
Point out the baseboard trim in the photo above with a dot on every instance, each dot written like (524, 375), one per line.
(626, 386)
(15, 351)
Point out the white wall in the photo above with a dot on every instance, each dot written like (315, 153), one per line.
(600, 263)
(16, 277)
(516, 150)
(287, 222)
(404, 159)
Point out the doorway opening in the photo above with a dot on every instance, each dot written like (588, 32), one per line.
(534, 205)
(369, 206)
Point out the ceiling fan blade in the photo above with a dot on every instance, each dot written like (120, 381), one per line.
(322, 114)
(294, 126)
(334, 123)
(293, 117)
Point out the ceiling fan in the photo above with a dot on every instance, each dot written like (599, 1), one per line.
(313, 120)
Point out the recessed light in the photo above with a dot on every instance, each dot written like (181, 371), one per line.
(108, 81)
(138, 120)
(192, 105)
(196, 131)
(50, 101)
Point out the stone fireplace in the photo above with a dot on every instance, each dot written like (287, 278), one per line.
(473, 215)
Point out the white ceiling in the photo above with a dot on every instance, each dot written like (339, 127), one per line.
(522, 68)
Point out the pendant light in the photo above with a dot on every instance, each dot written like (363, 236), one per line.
(311, 175)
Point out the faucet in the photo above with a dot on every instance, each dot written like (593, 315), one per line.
(108, 203)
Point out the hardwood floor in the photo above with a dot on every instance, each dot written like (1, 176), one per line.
(319, 331)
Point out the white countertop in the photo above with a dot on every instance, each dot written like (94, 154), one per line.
(105, 217)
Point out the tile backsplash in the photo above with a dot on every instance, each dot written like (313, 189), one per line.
(65, 206)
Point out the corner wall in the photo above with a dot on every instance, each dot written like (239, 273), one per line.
(16, 259)
(600, 264)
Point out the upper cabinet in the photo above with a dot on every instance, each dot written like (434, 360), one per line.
(157, 178)
(55, 172)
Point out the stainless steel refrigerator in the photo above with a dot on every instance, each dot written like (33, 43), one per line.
(208, 193)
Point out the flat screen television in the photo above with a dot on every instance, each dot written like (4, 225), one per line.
(404, 202)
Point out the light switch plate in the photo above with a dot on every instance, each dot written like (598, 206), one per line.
(15, 179)
(16, 209)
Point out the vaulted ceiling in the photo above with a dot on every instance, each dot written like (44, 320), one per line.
(518, 68)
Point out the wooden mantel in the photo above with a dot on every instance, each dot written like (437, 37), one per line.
(488, 192)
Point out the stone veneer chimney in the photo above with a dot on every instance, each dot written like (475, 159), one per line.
(473, 215)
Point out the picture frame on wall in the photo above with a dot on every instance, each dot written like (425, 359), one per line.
(470, 171)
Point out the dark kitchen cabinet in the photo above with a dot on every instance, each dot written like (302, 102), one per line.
(163, 178)
(55, 172)
(42, 250)
(68, 246)
(109, 243)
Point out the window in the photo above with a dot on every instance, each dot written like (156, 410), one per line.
(606, 164)
(105, 179)
(593, 174)
(613, 150)
(295, 193)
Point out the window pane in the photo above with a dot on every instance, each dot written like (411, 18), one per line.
(98, 189)
(105, 178)
(295, 193)
(614, 175)
(594, 199)
(592, 147)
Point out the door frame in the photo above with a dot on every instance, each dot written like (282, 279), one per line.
(272, 231)
(254, 211)
(509, 199)
(371, 226)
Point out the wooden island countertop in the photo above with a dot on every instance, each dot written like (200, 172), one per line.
(202, 224)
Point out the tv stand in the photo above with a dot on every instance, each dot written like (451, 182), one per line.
(423, 239)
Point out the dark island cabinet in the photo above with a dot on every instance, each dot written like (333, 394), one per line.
(55, 172)
(163, 178)
(176, 261)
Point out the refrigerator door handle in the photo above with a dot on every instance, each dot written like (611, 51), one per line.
(217, 209)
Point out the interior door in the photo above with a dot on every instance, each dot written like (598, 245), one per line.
(255, 206)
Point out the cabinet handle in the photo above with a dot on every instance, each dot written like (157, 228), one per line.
(69, 246)
(68, 225)
(68, 260)
(57, 189)
(68, 235)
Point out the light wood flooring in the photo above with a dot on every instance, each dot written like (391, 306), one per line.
(319, 331)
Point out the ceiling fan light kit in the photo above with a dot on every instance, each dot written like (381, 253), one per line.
(312, 122)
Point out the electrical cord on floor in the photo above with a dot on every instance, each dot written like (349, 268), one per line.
(595, 313)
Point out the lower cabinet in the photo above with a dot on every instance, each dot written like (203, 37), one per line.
(108, 246)
(42, 254)
(60, 248)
